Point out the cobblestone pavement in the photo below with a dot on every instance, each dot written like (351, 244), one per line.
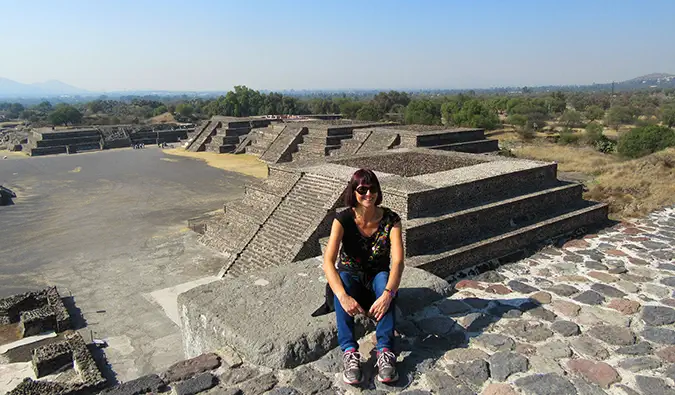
(593, 317)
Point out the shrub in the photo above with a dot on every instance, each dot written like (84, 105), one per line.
(567, 136)
(594, 137)
(645, 140)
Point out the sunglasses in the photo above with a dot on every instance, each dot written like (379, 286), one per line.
(362, 189)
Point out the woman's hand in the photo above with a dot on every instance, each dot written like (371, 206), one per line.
(350, 305)
(381, 306)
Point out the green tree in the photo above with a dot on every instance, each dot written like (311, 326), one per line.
(159, 110)
(668, 115)
(185, 109)
(619, 115)
(349, 108)
(471, 113)
(594, 112)
(645, 140)
(65, 114)
(385, 102)
(571, 118)
(423, 111)
(369, 112)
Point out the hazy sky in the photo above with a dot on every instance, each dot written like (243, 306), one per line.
(213, 45)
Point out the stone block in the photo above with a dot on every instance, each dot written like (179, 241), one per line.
(194, 385)
(51, 358)
(141, 385)
(269, 322)
(37, 321)
(183, 370)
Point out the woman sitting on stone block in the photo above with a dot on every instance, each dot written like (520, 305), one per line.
(363, 281)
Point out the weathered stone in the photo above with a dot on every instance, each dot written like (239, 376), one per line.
(600, 276)
(667, 266)
(576, 243)
(261, 384)
(451, 307)
(444, 384)
(474, 372)
(185, 369)
(634, 278)
(141, 385)
(542, 313)
(521, 287)
(586, 388)
(658, 315)
(437, 325)
(571, 257)
(238, 375)
(309, 381)
(463, 284)
(655, 290)
(670, 372)
(595, 265)
(555, 350)
(667, 354)
(475, 322)
(565, 308)
(563, 290)
(546, 384)
(615, 335)
(477, 303)
(229, 357)
(639, 364)
(525, 349)
(594, 315)
(669, 281)
(542, 365)
(284, 391)
(573, 278)
(499, 389)
(637, 261)
(659, 335)
(627, 390)
(617, 270)
(627, 286)
(625, 306)
(541, 297)
(504, 311)
(589, 347)
(608, 290)
(504, 363)
(653, 385)
(464, 354)
(566, 328)
(194, 385)
(668, 302)
(590, 297)
(498, 289)
(250, 319)
(490, 276)
(642, 348)
(415, 392)
(494, 342)
(598, 373)
(615, 252)
(528, 331)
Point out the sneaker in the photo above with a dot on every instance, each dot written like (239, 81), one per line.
(351, 362)
(386, 366)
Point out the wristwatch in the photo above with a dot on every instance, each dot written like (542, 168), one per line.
(391, 293)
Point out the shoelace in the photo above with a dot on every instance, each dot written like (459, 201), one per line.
(351, 360)
(385, 358)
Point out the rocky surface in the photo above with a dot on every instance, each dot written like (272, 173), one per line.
(593, 317)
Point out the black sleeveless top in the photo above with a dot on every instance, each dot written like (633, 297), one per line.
(359, 253)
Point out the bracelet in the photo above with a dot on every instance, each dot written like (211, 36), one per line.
(391, 293)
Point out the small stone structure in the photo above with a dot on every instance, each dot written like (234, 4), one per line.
(48, 142)
(35, 311)
(458, 209)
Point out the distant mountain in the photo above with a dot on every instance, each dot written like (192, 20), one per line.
(9, 88)
(653, 80)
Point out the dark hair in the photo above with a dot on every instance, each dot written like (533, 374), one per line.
(362, 177)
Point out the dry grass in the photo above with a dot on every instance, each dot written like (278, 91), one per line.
(633, 188)
(167, 117)
(245, 164)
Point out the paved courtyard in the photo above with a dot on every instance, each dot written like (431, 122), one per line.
(110, 228)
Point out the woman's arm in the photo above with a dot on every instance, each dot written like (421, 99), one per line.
(396, 252)
(348, 303)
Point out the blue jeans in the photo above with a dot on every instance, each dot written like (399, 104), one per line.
(345, 322)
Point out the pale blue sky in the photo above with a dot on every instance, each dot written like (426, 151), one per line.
(323, 44)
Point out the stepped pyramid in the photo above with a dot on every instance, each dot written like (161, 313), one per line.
(458, 209)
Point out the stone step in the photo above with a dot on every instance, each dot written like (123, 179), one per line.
(65, 141)
(220, 139)
(424, 235)
(474, 147)
(443, 137)
(253, 149)
(325, 139)
(444, 263)
(482, 191)
(67, 134)
(47, 151)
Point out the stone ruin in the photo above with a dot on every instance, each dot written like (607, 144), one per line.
(64, 366)
(49, 142)
(458, 210)
(283, 141)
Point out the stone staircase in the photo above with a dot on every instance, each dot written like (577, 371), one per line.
(282, 147)
(201, 138)
(316, 144)
(227, 139)
(262, 139)
(380, 140)
(294, 221)
(63, 141)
